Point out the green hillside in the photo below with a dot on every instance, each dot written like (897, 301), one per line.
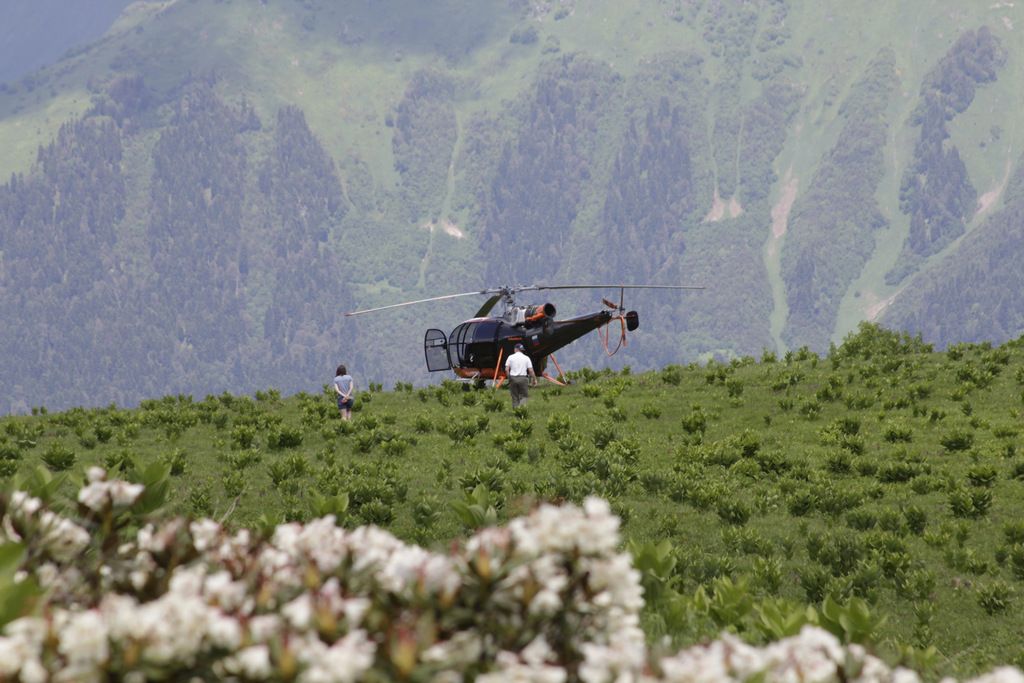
(194, 199)
(883, 471)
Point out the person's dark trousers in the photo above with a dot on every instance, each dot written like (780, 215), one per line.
(520, 387)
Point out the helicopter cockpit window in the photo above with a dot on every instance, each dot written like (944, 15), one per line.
(485, 331)
(458, 343)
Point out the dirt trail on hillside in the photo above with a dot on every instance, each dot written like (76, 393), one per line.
(780, 212)
(717, 209)
(452, 229)
(986, 200)
(735, 208)
(874, 309)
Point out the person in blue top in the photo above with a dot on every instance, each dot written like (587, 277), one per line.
(345, 388)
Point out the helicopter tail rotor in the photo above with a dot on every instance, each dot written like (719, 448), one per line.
(628, 322)
(605, 334)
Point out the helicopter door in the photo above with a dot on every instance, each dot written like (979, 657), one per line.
(435, 346)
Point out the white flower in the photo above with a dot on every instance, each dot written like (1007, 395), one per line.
(121, 615)
(511, 670)
(148, 540)
(299, 612)
(25, 504)
(593, 530)
(139, 578)
(814, 652)
(346, 661)
(253, 662)
(538, 651)
(32, 671)
(408, 567)
(205, 533)
(723, 660)
(324, 542)
(94, 496)
(206, 611)
(373, 548)
(901, 675)
(624, 656)
(462, 648)
(602, 525)
(440, 575)
(224, 632)
(83, 640)
(188, 580)
(532, 665)
(95, 474)
(354, 609)
(28, 629)
(401, 568)
(11, 657)
(286, 537)
(125, 494)
(98, 493)
(174, 627)
(264, 627)
(21, 648)
(64, 539)
(616, 582)
(1005, 674)
(545, 602)
(221, 590)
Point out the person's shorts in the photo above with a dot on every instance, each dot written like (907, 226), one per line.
(345, 403)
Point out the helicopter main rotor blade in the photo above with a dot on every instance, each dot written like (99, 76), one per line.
(614, 287)
(488, 305)
(421, 301)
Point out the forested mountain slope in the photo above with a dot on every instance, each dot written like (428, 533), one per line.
(192, 201)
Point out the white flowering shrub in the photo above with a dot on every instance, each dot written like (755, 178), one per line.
(107, 593)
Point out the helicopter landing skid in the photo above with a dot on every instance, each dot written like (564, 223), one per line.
(562, 379)
(476, 381)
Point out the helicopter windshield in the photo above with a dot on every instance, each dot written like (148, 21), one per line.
(472, 344)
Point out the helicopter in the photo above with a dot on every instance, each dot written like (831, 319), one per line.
(476, 348)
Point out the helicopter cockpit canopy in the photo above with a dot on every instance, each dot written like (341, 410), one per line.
(472, 344)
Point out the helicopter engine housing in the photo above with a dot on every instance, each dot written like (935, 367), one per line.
(535, 313)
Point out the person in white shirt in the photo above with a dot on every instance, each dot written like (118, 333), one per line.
(519, 369)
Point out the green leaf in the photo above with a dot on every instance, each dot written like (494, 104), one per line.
(39, 483)
(853, 622)
(268, 522)
(11, 555)
(780, 618)
(156, 478)
(17, 599)
(330, 505)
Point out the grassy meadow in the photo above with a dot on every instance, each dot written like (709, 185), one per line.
(880, 485)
